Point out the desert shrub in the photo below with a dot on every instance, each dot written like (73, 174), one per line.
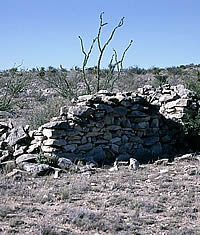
(174, 70)
(52, 161)
(155, 70)
(45, 112)
(136, 70)
(86, 220)
(66, 86)
(11, 88)
(193, 82)
(160, 80)
(192, 124)
(46, 229)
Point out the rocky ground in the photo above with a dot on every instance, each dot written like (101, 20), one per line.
(159, 198)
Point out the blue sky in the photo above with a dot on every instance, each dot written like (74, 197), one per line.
(45, 32)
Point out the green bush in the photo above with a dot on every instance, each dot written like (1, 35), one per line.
(160, 80)
(46, 160)
(192, 124)
(11, 88)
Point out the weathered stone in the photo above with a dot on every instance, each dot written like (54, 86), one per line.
(148, 141)
(137, 114)
(137, 99)
(151, 132)
(134, 164)
(116, 140)
(113, 128)
(85, 147)
(101, 141)
(19, 151)
(83, 111)
(85, 98)
(166, 139)
(4, 125)
(123, 157)
(127, 147)
(115, 148)
(33, 147)
(156, 149)
(140, 125)
(93, 134)
(16, 135)
(163, 162)
(97, 154)
(189, 157)
(124, 139)
(136, 139)
(56, 125)
(139, 107)
(70, 147)
(109, 119)
(104, 92)
(64, 110)
(104, 107)
(4, 155)
(14, 172)
(84, 140)
(74, 138)
(107, 136)
(99, 114)
(126, 103)
(167, 98)
(120, 111)
(54, 142)
(36, 169)
(154, 123)
(53, 133)
(140, 119)
(26, 157)
(64, 163)
(48, 149)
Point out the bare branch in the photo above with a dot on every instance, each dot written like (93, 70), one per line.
(85, 61)
(102, 49)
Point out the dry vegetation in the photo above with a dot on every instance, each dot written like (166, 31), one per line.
(155, 199)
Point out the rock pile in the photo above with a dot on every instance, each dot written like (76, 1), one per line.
(174, 102)
(103, 128)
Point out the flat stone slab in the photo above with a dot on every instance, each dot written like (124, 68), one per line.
(25, 158)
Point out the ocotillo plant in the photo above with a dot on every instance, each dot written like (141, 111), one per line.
(114, 64)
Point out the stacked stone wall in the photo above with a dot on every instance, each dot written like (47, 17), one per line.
(105, 127)
(108, 126)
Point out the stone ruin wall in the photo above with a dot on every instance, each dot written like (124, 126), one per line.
(107, 126)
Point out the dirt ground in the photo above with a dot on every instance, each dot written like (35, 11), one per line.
(155, 199)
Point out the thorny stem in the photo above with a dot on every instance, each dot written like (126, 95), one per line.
(102, 49)
(85, 61)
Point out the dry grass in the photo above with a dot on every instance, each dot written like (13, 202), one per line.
(152, 200)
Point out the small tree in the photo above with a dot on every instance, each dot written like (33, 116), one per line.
(115, 63)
